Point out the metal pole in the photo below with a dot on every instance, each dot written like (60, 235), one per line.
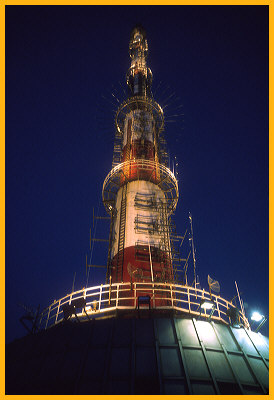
(109, 290)
(48, 317)
(240, 301)
(117, 294)
(151, 269)
(73, 282)
(261, 324)
(193, 252)
(57, 313)
(152, 277)
(100, 298)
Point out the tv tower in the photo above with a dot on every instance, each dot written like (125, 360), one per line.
(140, 192)
(142, 331)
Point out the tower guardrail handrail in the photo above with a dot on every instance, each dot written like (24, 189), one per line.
(167, 181)
(103, 299)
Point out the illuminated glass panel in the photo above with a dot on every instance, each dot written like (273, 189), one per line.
(207, 334)
(165, 331)
(170, 362)
(260, 370)
(260, 342)
(196, 364)
(219, 365)
(225, 337)
(241, 369)
(244, 341)
(187, 332)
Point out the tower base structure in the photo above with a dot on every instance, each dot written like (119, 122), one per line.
(145, 352)
(96, 341)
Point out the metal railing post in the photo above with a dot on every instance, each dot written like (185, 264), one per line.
(188, 298)
(48, 317)
(57, 313)
(217, 306)
(178, 297)
(40, 321)
(135, 295)
(100, 298)
(117, 295)
(171, 296)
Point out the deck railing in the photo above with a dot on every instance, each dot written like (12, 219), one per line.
(142, 169)
(104, 299)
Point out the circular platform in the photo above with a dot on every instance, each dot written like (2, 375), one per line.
(98, 301)
(139, 103)
(140, 169)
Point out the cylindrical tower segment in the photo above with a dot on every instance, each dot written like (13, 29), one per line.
(140, 193)
(139, 77)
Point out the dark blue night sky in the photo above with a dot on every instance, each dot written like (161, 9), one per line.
(62, 65)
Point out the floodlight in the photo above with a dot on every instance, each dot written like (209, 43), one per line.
(256, 316)
(207, 304)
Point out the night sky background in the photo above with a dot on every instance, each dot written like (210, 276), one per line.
(63, 63)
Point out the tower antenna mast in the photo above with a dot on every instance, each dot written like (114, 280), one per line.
(193, 250)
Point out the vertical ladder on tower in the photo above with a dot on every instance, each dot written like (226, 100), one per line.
(175, 253)
(128, 148)
(165, 240)
(121, 240)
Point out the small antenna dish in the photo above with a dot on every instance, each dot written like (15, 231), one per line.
(213, 285)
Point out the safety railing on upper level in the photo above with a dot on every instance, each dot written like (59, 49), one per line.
(139, 103)
(144, 170)
(100, 300)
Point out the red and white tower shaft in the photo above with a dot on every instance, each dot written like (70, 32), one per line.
(140, 192)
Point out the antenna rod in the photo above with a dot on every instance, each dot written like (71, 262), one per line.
(193, 251)
(72, 290)
(151, 268)
(240, 300)
(183, 238)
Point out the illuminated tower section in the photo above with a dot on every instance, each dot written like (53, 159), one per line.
(140, 192)
(194, 342)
